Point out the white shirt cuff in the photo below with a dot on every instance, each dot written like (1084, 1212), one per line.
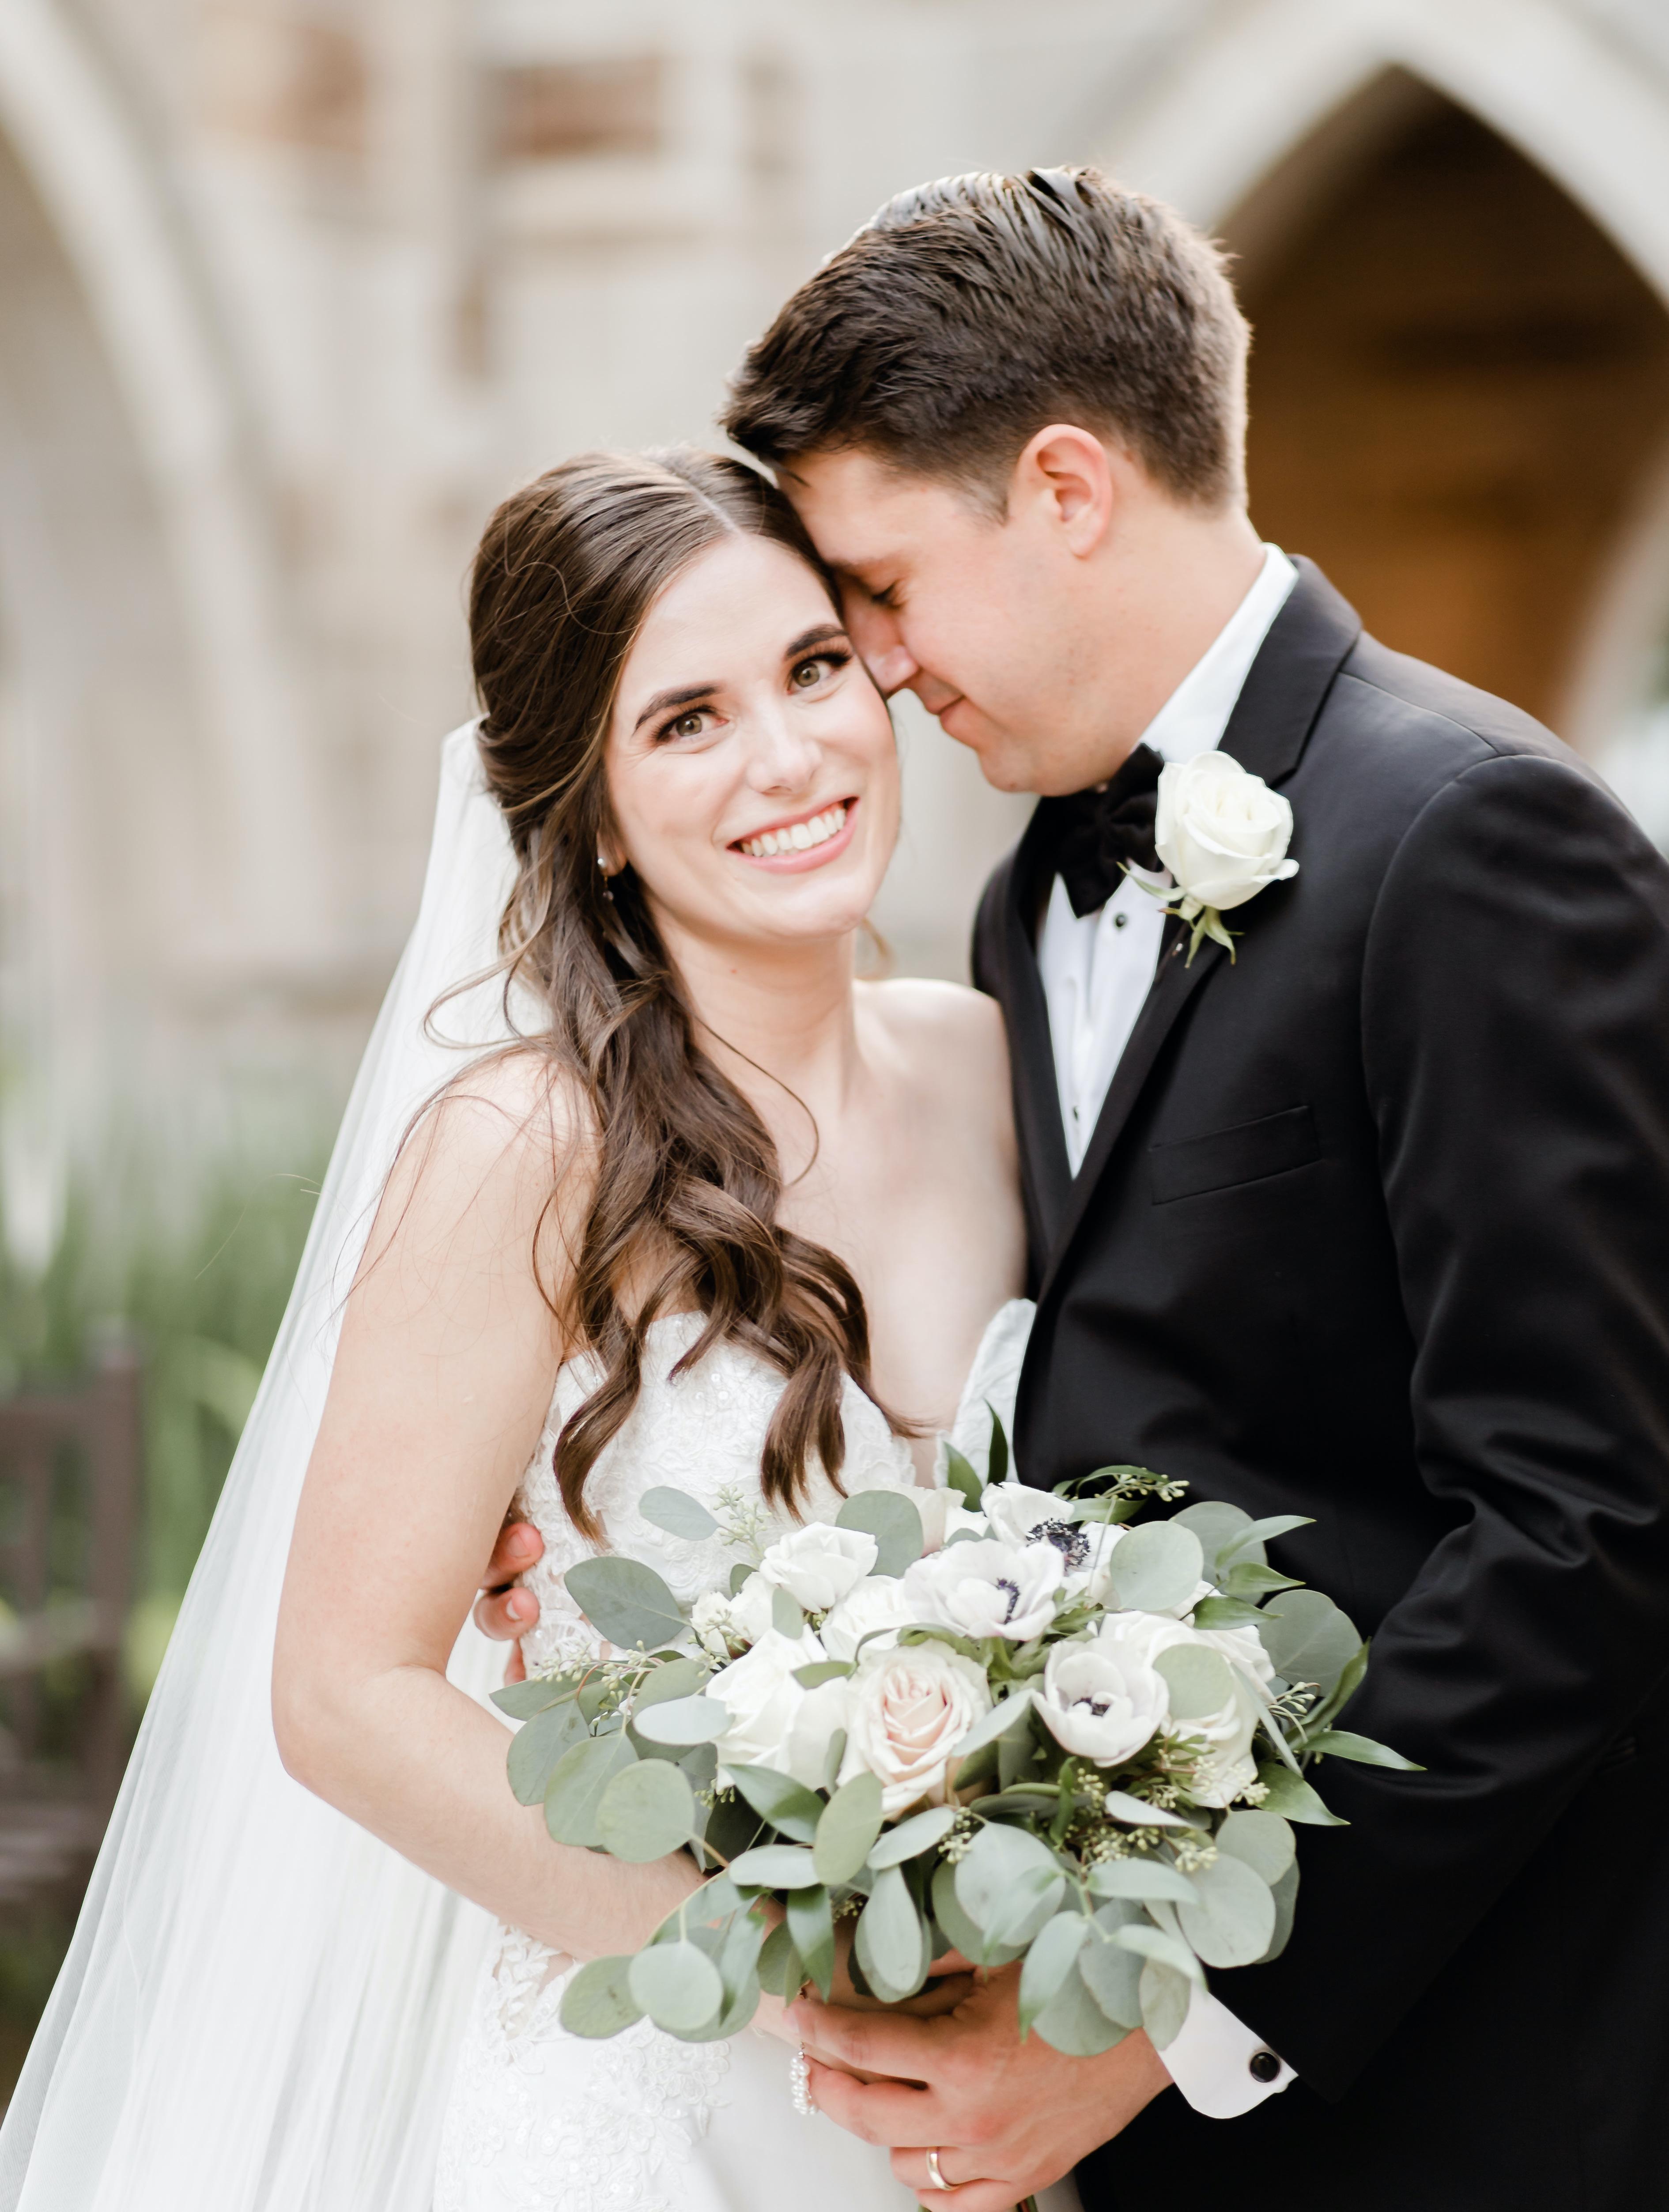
(1219, 2064)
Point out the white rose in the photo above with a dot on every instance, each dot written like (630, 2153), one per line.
(818, 1565)
(877, 1604)
(907, 1711)
(943, 1516)
(988, 1589)
(750, 1608)
(1227, 1733)
(1220, 831)
(822, 1713)
(1102, 1700)
(759, 1693)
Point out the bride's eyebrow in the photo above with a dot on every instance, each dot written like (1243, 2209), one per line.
(820, 635)
(687, 696)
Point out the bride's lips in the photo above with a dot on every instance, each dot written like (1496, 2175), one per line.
(810, 856)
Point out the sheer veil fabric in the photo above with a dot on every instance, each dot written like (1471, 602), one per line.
(262, 2004)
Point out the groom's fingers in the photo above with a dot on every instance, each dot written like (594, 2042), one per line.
(876, 2112)
(980, 2195)
(893, 2042)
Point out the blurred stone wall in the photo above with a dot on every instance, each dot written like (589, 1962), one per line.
(291, 291)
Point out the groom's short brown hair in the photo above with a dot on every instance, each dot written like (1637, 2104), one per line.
(969, 313)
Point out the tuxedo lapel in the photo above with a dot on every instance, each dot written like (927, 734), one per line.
(1277, 708)
(1046, 1169)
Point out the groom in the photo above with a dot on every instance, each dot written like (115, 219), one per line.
(1368, 1221)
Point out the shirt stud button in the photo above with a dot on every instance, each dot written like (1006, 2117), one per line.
(1120, 920)
(1262, 2065)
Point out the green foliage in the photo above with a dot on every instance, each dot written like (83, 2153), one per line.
(850, 1824)
(678, 1513)
(625, 1601)
(892, 1521)
(647, 1811)
(1157, 1565)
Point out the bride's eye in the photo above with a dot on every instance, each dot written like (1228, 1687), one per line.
(810, 673)
(692, 725)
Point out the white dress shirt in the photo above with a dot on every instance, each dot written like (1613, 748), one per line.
(1097, 973)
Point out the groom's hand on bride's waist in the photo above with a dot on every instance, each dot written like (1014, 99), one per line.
(1006, 2117)
(505, 1612)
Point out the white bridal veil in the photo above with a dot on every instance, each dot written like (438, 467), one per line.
(261, 2005)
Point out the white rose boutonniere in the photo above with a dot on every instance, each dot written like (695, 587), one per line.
(1224, 834)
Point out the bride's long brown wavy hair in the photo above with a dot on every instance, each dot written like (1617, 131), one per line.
(687, 1183)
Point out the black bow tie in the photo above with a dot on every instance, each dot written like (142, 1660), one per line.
(1087, 839)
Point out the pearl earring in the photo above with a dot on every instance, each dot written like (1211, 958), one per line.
(603, 865)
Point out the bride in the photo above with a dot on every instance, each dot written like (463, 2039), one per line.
(745, 1218)
(701, 1207)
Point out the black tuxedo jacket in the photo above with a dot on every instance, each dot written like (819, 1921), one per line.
(1374, 1226)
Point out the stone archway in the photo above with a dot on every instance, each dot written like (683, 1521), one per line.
(1459, 387)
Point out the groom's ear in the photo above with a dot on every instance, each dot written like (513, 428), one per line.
(1066, 480)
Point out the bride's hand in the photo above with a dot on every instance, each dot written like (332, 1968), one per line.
(505, 1612)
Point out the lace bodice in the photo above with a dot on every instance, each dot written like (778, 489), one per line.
(703, 1433)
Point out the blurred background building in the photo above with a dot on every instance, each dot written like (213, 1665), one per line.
(292, 291)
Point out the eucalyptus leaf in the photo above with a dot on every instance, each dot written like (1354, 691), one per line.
(1164, 1999)
(678, 1986)
(1140, 1877)
(521, 1700)
(684, 1721)
(891, 1942)
(1339, 1743)
(1231, 1923)
(998, 1721)
(781, 1970)
(1292, 1798)
(1048, 1962)
(1157, 1565)
(1073, 2022)
(1112, 1975)
(1260, 1532)
(1225, 1613)
(535, 1748)
(679, 1513)
(781, 1800)
(1221, 1528)
(996, 1463)
(1151, 1942)
(1136, 1813)
(1198, 1680)
(576, 1787)
(599, 2001)
(1262, 1839)
(1285, 1894)
(911, 1836)
(1248, 1580)
(774, 1866)
(848, 1826)
(667, 1683)
(1008, 1882)
(1341, 1692)
(732, 1826)
(786, 1618)
(647, 1812)
(834, 1759)
(626, 1601)
(741, 1573)
(820, 1671)
(1307, 1639)
(893, 1521)
(958, 1928)
(811, 1922)
(960, 1476)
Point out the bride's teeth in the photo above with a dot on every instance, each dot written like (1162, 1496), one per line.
(798, 837)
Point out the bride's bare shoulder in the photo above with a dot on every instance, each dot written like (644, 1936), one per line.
(946, 1031)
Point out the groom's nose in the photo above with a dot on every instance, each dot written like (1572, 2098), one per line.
(875, 631)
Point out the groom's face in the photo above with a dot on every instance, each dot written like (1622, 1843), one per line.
(974, 613)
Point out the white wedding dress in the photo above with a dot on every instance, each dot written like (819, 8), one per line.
(542, 2121)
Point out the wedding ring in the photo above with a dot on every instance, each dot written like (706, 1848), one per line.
(936, 2172)
(799, 2083)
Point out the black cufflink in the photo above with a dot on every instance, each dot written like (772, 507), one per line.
(1262, 2065)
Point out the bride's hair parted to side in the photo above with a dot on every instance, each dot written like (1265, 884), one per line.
(683, 1213)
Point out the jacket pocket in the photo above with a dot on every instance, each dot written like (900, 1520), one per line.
(1246, 1153)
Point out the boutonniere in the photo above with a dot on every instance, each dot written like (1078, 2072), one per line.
(1224, 834)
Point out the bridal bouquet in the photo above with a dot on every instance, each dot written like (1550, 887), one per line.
(986, 1719)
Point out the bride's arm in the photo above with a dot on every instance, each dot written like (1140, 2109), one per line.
(448, 1362)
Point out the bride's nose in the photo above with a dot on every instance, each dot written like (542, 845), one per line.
(780, 756)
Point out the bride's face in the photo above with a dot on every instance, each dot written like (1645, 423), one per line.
(751, 760)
